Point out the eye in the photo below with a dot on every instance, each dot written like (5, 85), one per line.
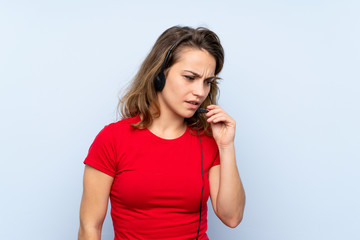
(209, 82)
(189, 77)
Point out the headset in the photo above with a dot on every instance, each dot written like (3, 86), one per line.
(159, 83)
(160, 78)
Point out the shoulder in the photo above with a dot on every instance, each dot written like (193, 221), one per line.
(123, 124)
(118, 129)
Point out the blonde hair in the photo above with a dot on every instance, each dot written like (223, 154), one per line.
(141, 94)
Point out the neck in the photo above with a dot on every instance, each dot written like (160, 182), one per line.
(168, 125)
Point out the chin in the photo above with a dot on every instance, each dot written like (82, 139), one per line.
(188, 114)
(185, 113)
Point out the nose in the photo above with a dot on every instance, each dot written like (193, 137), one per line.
(200, 89)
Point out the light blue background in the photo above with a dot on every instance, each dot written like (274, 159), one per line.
(291, 81)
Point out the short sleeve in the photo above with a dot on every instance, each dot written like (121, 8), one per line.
(101, 154)
(217, 159)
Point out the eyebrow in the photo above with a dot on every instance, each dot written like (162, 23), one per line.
(198, 75)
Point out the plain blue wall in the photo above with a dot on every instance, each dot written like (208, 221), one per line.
(291, 81)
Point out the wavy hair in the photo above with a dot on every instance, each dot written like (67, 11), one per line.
(141, 93)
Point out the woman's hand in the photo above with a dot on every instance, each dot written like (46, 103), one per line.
(223, 126)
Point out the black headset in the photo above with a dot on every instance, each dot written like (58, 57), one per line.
(159, 83)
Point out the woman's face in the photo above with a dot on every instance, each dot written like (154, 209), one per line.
(187, 83)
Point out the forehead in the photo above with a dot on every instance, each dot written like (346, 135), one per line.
(198, 60)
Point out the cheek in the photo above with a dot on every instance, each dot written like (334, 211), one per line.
(175, 87)
(175, 83)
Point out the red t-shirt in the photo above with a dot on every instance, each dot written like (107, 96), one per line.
(157, 182)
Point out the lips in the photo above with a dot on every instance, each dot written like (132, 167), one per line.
(196, 103)
(193, 104)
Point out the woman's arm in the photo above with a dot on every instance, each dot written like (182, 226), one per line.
(226, 190)
(94, 203)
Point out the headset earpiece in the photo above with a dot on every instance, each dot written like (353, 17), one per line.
(159, 81)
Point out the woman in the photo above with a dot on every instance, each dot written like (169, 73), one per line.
(160, 163)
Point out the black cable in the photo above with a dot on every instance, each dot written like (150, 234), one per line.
(201, 110)
(202, 174)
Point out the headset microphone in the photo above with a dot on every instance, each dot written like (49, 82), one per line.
(203, 110)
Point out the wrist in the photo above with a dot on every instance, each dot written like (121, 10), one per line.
(227, 147)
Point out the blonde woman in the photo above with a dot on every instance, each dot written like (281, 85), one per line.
(173, 148)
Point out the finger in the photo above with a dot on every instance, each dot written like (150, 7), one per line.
(221, 119)
(212, 106)
(217, 116)
(215, 110)
(217, 113)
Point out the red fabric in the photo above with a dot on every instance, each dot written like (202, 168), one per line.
(157, 182)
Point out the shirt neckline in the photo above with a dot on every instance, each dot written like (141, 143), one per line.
(182, 136)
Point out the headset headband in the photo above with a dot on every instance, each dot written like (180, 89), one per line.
(171, 48)
(160, 79)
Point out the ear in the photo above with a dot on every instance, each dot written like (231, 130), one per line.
(159, 81)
